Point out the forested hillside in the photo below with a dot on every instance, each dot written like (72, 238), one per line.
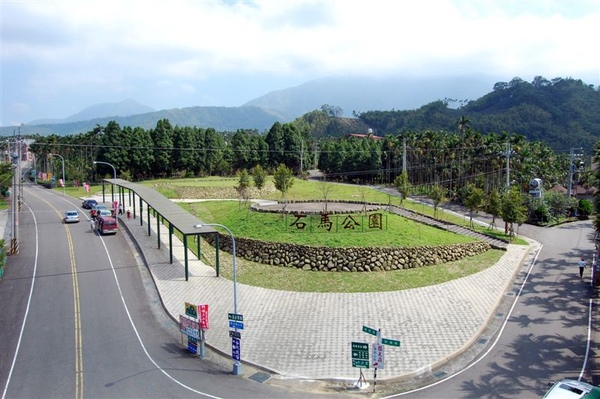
(562, 113)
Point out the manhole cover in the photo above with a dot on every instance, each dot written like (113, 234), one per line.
(260, 377)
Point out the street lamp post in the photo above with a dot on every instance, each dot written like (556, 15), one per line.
(237, 366)
(63, 170)
(114, 183)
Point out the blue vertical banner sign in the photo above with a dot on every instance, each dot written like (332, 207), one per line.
(236, 349)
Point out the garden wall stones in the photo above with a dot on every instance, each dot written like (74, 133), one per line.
(354, 259)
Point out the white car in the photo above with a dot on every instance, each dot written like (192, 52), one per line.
(572, 389)
(71, 217)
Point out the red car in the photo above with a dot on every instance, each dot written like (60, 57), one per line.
(106, 225)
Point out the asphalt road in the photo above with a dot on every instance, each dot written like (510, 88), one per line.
(546, 332)
(80, 318)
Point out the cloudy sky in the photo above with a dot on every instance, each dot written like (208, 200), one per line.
(59, 57)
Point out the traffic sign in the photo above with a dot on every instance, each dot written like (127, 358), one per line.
(390, 342)
(363, 364)
(369, 330)
(360, 354)
(235, 334)
(236, 324)
(360, 351)
(236, 350)
(235, 317)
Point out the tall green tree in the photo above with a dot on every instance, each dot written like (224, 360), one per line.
(259, 176)
(437, 196)
(162, 137)
(494, 207)
(141, 154)
(403, 186)
(184, 142)
(474, 201)
(283, 179)
(244, 184)
(513, 209)
(276, 142)
(114, 149)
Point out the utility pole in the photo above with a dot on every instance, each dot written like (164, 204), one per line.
(404, 155)
(572, 156)
(508, 150)
(15, 196)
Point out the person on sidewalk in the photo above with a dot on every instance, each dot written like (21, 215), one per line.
(581, 265)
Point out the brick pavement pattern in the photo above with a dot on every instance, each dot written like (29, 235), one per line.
(308, 335)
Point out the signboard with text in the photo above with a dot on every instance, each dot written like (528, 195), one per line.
(189, 327)
(378, 356)
(236, 349)
(203, 316)
(360, 355)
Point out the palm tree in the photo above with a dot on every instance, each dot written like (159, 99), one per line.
(463, 124)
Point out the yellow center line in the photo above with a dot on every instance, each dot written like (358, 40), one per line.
(77, 310)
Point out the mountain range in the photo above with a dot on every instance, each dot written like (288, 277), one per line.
(350, 94)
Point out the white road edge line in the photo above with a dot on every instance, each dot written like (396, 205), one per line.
(12, 366)
(490, 348)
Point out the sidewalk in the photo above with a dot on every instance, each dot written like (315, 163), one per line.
(309, 335)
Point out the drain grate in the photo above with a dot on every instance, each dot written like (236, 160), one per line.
(440, 374)
(260, 377)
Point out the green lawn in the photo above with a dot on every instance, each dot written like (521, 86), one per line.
(272, 227)
(244, 222)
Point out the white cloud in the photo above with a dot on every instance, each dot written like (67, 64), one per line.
(115, 47)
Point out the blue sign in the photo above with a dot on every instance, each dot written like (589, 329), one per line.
(236, 349)
(238, 325)
(192, 345)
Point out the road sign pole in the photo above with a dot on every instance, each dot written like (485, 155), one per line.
(201, 354)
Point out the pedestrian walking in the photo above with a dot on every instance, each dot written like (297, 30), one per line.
(581, 265)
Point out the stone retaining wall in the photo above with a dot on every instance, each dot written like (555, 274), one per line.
(354, 259)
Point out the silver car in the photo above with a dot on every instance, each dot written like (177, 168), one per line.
(571, 389)
(71, 217)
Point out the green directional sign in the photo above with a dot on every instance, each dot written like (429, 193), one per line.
(235, 317)
(369, 330)
(363, 364)
(390, 342)
(360, 355)
(360, 346)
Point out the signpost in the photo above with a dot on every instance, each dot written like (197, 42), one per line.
(194, 324)
(360, 355)
(236, 321)
(377, 352)
(360, 359)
